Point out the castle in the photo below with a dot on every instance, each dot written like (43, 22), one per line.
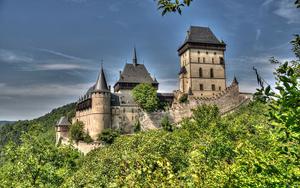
(202, 78)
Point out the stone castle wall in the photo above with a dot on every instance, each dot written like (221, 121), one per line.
(228, 100)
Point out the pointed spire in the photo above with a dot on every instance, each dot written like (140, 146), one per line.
(101, 84)
(234, 81)
(134, 58)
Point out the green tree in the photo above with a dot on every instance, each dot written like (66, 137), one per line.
(36, 162)
(108, 136)
(76, 132)
(145, 95)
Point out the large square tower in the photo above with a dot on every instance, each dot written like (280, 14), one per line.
(202, 65)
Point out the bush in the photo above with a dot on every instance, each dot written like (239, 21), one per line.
(165, 123)
(76, 131)
(108, 136)
(183, 98)
(206, 114)
(137, 126)
(87, 138)
(145, 96)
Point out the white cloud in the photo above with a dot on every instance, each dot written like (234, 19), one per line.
(14, 57)
(58, 66)
(287, 9)
(53, 52)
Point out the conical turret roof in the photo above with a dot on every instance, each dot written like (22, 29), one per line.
(101, 84)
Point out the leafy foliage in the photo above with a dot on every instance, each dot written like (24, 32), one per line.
(183, 98)
(76, 132)
(146, 96)
(172, 5)
(137, 126)
(36, 162)
(108, 136)
(13, 132)
(166, 124)
(233, 151)
(284, 111)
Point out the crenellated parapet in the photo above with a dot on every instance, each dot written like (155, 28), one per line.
(227, 100)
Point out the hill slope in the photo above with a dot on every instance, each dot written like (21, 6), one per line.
(13, 131)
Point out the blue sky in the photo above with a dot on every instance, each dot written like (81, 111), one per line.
(51, 50)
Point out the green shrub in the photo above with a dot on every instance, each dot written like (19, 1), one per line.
(166, 124)
(183, 98)
(87, 138)
(206, 114)
(76, 131)
(108, 136)
(137, 126)
(145, 95)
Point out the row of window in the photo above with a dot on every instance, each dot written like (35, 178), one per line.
(201, 73)
(215, 53)
(213, 87)
(221, 60)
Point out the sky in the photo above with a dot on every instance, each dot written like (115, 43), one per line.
(51, 50)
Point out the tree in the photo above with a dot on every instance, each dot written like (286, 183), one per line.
(145, 96)
(76, 131)
(172, 5)
(36, 162)
(108, 136)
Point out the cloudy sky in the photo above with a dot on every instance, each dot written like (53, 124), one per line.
(51, 50)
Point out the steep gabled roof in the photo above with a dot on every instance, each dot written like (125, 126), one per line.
(198, 34)
(63, 121)
(201, 36)
(135, 74)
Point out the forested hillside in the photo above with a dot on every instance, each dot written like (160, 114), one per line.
(12, 132)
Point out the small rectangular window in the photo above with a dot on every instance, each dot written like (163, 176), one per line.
(213, 87)
(219, 88)
(198, 59)
(201, 87)
(213, 60)
(203, 59)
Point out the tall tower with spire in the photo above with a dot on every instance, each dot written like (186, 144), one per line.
(101, 110)
(94, 108)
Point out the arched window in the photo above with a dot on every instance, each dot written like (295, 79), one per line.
(213, 60)
(198, 59)
(200, 72)
(211, 73)
(203, 59)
